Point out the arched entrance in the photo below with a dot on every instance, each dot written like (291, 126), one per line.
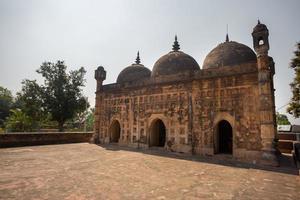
(157, 134)
(224, 137)
(114, 131)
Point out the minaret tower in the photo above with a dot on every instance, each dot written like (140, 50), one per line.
(100, 75)
(267, 115)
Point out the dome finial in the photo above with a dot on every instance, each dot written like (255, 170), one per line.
(138, 60)
(176, 45)
(227, 38)
(258, 22)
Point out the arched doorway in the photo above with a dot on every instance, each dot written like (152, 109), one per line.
(224, 137)
(114, 131)
(157, 134)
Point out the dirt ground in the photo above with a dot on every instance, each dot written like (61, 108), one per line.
(88, 171)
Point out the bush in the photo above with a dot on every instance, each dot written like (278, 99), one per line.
(18, 121)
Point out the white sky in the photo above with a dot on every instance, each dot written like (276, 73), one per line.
(109, 33)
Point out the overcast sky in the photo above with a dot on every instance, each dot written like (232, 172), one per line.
(109, 33)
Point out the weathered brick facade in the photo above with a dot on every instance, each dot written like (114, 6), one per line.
(225, 107)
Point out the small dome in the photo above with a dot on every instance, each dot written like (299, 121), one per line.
(174, 62)
(229, 54)
(134, 72)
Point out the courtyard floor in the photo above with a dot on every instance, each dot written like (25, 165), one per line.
(87, 171)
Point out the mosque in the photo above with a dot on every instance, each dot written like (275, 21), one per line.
(225, 107)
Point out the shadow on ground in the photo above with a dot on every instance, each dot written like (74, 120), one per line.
(287, 165)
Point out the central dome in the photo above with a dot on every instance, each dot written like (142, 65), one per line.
(229, 53)
(174, 62)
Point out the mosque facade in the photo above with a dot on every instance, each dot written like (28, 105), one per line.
(225, 107)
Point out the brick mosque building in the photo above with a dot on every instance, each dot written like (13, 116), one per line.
(225, 107)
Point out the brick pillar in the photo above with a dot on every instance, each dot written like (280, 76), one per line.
(266, 110)
(100, 75)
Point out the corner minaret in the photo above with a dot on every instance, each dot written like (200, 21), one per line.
(260, 36)
(100, 75)
(266, 90)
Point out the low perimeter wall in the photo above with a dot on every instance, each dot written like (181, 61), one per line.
(30, 139)
(287, 140)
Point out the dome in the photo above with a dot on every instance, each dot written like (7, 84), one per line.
(134, 72)
(229, 53)
(174, 62)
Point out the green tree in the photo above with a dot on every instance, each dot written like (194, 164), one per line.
(282, 119)
(61, 93)
(30, 101)
(6, 101)
(294, 104)
(78, 121)
(90, 120)
(18, 121)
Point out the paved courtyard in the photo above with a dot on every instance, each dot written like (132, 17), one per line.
(87, 171)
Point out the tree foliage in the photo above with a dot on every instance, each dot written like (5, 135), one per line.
(282, 119)
(30, 101)
(294, 104)
(79, 121)
(61, 93)
(59, 98)
(90, 120)
(6, 101)
(18, 121)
